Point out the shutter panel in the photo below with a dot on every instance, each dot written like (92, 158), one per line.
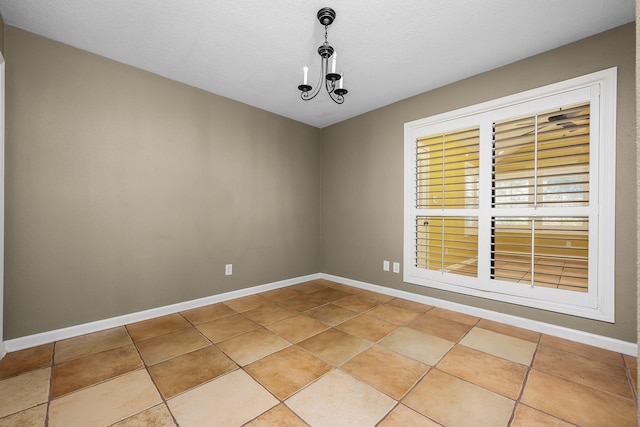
(541, 161)
(447, 170)
(447, 177)
(563, 157)
(447, 244)
(551, 252)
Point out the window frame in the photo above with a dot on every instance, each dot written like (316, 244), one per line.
(599, 302)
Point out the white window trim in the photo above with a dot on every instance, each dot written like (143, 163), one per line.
(599, 302)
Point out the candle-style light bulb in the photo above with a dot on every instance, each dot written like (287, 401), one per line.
(333, 63)
(341, 81)
(305, 72)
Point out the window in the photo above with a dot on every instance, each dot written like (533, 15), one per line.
(514, 199)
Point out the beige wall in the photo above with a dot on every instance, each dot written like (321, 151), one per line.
(127, 191)
(362, 175)
(1, 35)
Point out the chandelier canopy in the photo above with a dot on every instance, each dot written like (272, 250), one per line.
(326, 16)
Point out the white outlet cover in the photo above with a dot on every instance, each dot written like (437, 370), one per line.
(228, 269)
(396, 267)
(385, 265)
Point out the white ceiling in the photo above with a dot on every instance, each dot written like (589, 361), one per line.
(253, 50)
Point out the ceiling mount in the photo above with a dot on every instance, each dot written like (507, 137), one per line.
(326, 16)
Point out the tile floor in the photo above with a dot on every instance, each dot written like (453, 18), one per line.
(317, 354)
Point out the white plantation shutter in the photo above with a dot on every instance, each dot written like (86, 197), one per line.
(514, 199)
(447, 177)
(542, 160)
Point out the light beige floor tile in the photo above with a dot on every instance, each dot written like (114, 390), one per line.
(21, 361)
(584, 370)
(401, 416)
(105, 403)
(410, 305)
(447, 329)
(303, 303)
(32, 417)
(376, 296)
(335, 346)
(287, 371)
(88, 344)
(158, 416)
(252, 345)
(189, 370)
(483, 369)
(582, 349)
(158, 349)
(246, 303)
(222, 329)
(230, 400)
(456, 403)
(308, 287)
(386, 371)
(24, 391)
(331, 314)
(455, 316)
(330, 294)
(278, 416)
(281, 294)
(418, 345)
(268, 314)
(368, 327)
(346, 402)
(298, 328)
(158, 326)
(86, 371)
(512, 331)
(510, 348)
(390, 313)
(342, 287)
(207, 313)
(577, 403)
(528, 417)
(332, 284)
(357, 303)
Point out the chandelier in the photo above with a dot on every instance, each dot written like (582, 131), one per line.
(326, 15)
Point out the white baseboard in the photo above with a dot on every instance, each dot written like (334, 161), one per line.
(100, 325)
(545, 328)
(600, 341)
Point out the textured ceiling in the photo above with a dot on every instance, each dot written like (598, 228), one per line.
(253, 50)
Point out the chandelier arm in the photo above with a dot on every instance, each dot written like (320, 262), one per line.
(330, 85)
(309, 95)
(338, 99)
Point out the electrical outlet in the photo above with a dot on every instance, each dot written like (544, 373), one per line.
(228, 269)
(396, 267)
(385, 265)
